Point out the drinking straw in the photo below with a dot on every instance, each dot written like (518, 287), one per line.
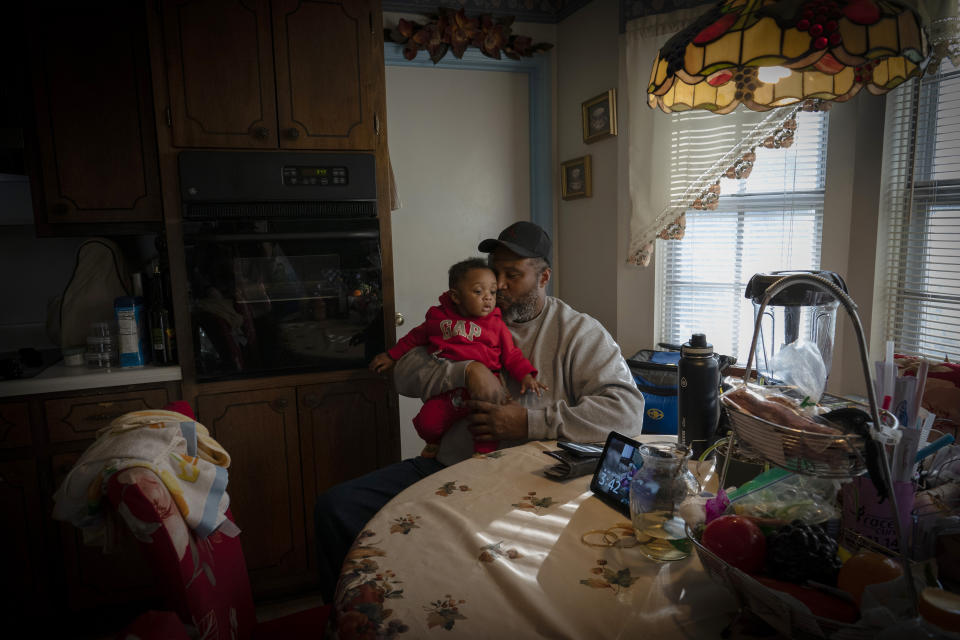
(934, 446)
(889, 371)
(927, 425)
(921, 383)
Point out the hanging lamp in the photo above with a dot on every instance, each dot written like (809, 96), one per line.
(771, 53)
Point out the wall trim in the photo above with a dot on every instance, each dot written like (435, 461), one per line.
(537, 69)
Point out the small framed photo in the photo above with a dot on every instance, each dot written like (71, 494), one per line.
(576, 180)
(600, 116)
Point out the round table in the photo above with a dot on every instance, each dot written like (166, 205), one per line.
(491, 547)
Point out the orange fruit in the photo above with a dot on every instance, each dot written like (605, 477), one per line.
(864, 568)
(941, 608)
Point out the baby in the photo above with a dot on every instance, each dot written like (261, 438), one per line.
(467, 325)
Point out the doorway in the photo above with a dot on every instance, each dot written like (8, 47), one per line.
(470, 148)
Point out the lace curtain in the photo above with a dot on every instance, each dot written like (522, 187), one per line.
(656, 212)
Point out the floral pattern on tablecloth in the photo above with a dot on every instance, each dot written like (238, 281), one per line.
(608, 578)
(491, 552)
(534, 504)
(449, 488)
(404, 524)
(444, 612)
(363, 593)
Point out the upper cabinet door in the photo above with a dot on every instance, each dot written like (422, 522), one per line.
(325, 53)
(96, 157)
(219, 65)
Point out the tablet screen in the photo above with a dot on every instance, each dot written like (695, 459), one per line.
(611, 480)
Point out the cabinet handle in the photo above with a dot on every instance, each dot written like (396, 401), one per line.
(104, 417)
(261, 132)
(398, 318)
(312, 400)
(376, 124)
(279, 404)
(293, 133)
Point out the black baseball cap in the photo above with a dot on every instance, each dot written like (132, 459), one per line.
(525, 239)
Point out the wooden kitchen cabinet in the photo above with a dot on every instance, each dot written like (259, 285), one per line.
(259, 430)
(71, 421)
(20, 503)
(56, 581)
(94, 157)
(341, 427)
(290, 74)
(80, 417)
(287, 444)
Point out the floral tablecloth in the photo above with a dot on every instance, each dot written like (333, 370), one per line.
(490, 547)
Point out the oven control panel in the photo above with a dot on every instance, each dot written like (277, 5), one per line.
(296, 176)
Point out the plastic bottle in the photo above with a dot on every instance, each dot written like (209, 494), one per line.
(698, 406)
(161, 324)
(131, 331)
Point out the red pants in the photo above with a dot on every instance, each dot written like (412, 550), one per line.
(440, 412)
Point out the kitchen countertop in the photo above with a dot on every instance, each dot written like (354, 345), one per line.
(60, 377)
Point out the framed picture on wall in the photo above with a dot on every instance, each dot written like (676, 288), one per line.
(576, 179)
(600, 116)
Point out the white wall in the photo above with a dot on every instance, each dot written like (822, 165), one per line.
(588, 229)
(851, 208)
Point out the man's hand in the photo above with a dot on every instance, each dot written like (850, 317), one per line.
(382, 363)
(483, 385)
(491, 421)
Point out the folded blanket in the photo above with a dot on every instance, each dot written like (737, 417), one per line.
(179, 450)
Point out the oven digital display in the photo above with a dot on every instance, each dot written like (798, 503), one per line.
(311, 176)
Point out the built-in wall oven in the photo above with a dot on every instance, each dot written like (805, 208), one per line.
(283, 261)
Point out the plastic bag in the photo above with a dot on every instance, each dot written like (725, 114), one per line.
(800, 364)
(789, 497)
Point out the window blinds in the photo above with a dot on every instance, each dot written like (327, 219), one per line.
(771, 220)
(922, 198)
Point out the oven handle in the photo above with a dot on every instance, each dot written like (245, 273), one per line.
(306, 235)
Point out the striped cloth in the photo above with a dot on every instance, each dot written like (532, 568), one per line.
(179, 450)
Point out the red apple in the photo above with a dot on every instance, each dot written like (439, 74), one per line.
(736, 540)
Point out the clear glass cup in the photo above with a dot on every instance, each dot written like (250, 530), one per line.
(662, 482)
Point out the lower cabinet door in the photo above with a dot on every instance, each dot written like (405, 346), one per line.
(347, 429)
(258, 428)
(21, 537)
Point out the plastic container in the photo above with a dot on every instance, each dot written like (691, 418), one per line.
(101, 352)
(73, 356)
(795, 320)
(698, 392)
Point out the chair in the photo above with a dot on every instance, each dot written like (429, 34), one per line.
(204, 580)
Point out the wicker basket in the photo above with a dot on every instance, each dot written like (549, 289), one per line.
(822, 455)
(783, 613)
(818, 454)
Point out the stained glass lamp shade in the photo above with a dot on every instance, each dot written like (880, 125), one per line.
(824, 49)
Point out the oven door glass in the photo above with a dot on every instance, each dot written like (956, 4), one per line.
(267, 299)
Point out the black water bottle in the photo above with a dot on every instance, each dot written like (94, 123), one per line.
(698, 405)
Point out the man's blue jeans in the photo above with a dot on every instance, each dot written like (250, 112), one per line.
(342, 512)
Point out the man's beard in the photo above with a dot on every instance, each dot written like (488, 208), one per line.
(520, 310)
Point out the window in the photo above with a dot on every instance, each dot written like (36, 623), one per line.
(922, 201)
(771, 220)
